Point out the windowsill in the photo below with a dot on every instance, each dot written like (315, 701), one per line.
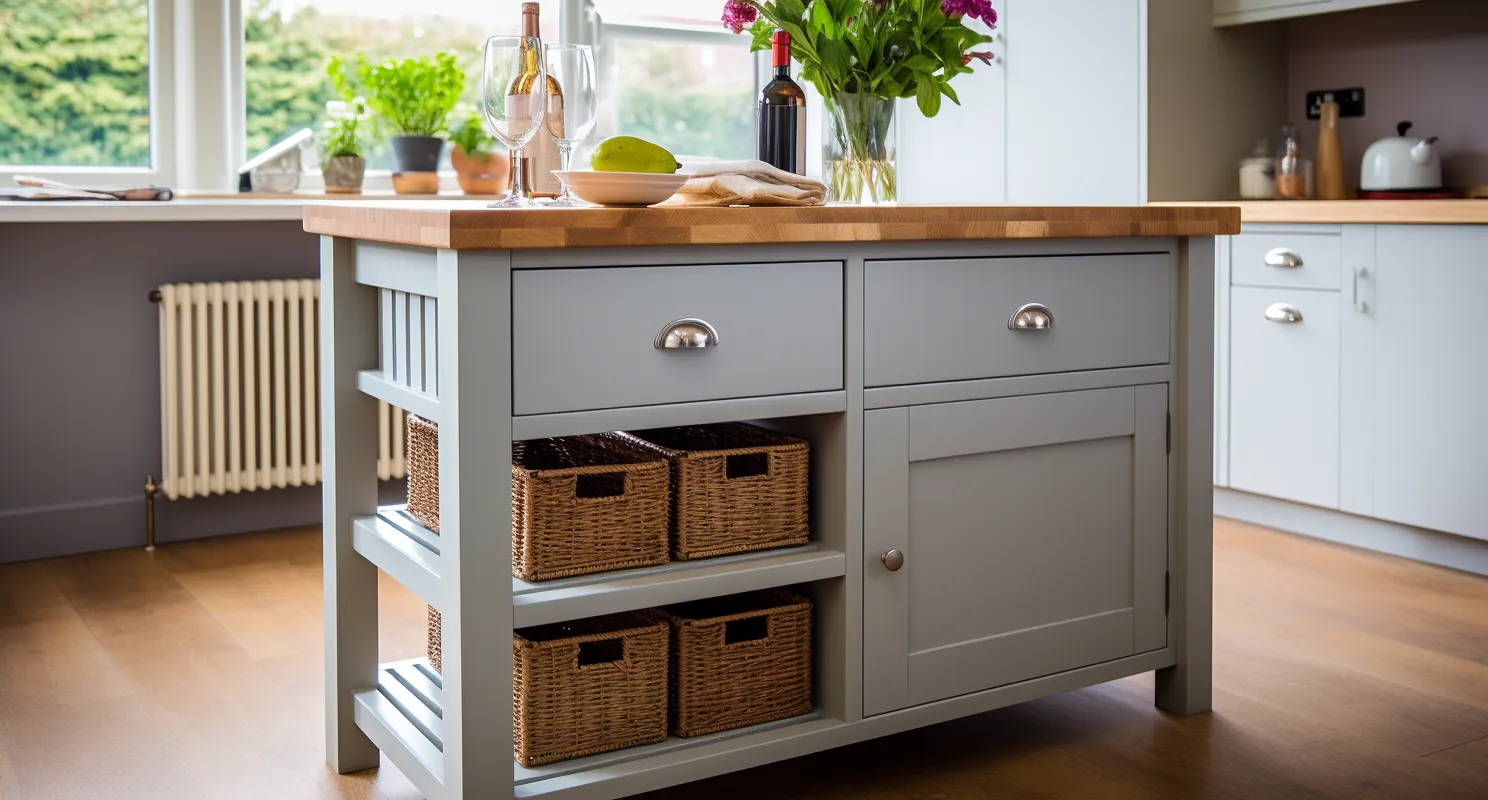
(197, 207)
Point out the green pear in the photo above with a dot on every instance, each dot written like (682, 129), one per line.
(629, 154)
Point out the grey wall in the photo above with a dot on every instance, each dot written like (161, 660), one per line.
(1426, 62)
(80, 404)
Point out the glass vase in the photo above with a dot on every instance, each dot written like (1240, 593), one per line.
(858, 149)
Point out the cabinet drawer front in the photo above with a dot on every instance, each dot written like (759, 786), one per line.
(1284, 395)
(1256, 259)
(948, 320)
(779, 331)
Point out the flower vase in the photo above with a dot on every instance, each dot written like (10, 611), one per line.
(858, 146)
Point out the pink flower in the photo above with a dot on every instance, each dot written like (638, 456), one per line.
(976, 9)
(738, 15)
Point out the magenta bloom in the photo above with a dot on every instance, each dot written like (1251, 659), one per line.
(738, 15)
(976, 9)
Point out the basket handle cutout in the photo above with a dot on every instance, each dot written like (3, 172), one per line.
(747, 465)
(597, 485)
(740, 631)
(604, 651)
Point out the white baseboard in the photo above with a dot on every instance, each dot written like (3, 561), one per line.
(1420, 544)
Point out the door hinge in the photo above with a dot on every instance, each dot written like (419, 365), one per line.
(1170, 433)
(1167, 593)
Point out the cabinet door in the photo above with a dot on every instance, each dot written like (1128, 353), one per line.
(1033, 532)
(1284, 396)
(1074, 102)
(1417, 350)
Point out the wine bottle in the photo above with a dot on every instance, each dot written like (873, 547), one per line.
(781, 119)
(540, 156)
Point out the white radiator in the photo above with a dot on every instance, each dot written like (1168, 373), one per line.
(239, 389)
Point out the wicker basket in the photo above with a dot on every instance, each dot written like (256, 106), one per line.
(584, 687)
(735, 487)
(740, 660)
(580, 504)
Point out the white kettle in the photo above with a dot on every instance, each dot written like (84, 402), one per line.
(1402, 163)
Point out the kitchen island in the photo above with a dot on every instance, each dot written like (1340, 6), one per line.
(1008, 409)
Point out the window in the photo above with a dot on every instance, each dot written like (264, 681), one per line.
(673, 75)
(75, 83)
(286, 44)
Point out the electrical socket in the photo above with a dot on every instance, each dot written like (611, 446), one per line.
(1350, 102)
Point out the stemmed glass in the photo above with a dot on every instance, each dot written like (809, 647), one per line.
(571, 115)
(514, 88)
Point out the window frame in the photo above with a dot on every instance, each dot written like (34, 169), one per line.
(162, 83)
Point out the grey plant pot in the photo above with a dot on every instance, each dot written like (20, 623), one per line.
(416, 153)
(343, 174)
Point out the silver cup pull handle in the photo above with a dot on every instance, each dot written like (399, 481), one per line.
(685, 334)
(1283, 312)
(1283, 258)
(1031, 317)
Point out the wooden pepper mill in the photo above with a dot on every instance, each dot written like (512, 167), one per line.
(1330, 184)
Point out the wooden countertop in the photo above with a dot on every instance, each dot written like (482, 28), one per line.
(1362, 212)
(465, 225)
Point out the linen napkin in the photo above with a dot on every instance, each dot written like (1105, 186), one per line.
(745, 183)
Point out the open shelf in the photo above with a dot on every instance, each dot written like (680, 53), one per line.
(409, 552)
(377, 384)
(404, 715)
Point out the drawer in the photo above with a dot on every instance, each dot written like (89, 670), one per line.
(948, 320)
(1257, 259)
(586, 339)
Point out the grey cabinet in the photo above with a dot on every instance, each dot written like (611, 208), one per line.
(1007, 516)
(1416, 377)
(1284, 393)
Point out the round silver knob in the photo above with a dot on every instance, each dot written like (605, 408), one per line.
(1031, 317)
(685, 334)
(892, 560)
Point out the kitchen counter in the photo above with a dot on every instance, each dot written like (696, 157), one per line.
(190, 207)
(1002, 508)
(471, 225)
(1362, 212)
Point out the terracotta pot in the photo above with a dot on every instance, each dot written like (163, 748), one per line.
(343, 174)
(482, 173)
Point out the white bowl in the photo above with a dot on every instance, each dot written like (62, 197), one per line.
(621, 188)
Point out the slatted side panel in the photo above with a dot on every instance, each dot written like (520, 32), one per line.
(239, 389)
(410, 344)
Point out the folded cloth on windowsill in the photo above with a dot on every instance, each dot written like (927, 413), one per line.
(45, 189)
(745, 183)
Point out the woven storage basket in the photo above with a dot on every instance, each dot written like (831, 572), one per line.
(584, 687)
(740, 660)
(580, 504)
(735, 487)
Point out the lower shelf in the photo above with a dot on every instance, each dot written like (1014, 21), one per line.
(404, 716)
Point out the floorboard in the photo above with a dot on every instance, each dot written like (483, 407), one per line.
(195, 672)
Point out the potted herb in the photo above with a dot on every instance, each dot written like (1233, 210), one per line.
(481, 168)
(862, 55)
(344, 166)
(411, 97)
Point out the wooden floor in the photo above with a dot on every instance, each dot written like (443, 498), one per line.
(195, 673)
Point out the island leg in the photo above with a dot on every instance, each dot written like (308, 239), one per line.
(348, 318)
(1186, 687)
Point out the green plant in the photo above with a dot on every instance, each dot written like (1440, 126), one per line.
(885, 48)
(412, 96)
(470, 134)
(344, 135)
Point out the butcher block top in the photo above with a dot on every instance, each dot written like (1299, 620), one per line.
(473, 226)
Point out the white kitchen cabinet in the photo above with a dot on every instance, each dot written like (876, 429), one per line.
(1057, 118)
(1284, 393)
(1240, 12)
(1416, 361)
(998, 523)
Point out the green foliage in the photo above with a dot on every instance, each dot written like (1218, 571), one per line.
(413, 95)
(343, 136)
(899, 48)
(74, 82)
(470, 134)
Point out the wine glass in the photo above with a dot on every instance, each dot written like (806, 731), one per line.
(514, 88)
(571, 114)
